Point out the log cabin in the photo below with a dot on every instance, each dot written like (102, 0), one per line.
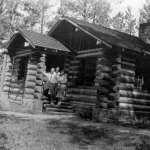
(108, 71)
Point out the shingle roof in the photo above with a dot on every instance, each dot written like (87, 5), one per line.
(111, 36)
(41, 40)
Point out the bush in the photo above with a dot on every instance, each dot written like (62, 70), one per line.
(143, 143)
(84, 112)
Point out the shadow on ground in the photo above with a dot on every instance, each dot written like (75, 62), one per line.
(89, 135)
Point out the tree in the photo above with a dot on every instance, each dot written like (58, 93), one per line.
(118, 22)
(20, 13)
(96, 11)
(9, 17)
(31, 14)
(124, 22)
(145, 12)
(130, 22)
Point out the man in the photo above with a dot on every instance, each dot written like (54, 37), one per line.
(62, 85)
(51, 84)
(57, 72)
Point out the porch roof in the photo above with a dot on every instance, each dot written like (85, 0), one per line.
(107, 35)
(39, 40)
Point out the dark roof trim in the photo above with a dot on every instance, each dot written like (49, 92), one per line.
(26, 38)
(36, 40)
(85, 31)
(19, 31)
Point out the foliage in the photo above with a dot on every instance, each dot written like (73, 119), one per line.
(143, 143)
(124, 22)
(19, 13)
(89, 10)
(145, 12)
(83, 112)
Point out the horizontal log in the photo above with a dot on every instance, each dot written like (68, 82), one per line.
(28, 96)
(39, 76)
(133, 106)
(8, 74)
(30, 85)
(39, 82)
(89, 51)
(104, 68)
(73, 71)
(31, 78)
(134, 94)
(31, 72)
(126, 86)
(29, 91)
(31, 67)
(126, 63)
(96, 54)
(104, 83)
(38, 89)
(134, 101)
(126, 79)
(73, 62)
(128, 59)
(40, 65)
(42, 59)
(37, 95)
(7, 79)
(15, 97)
(16, 90)
(6, 88)
(17, 85)
(40, 70)
(75, 67)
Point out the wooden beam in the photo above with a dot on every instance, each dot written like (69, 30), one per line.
(96, 54)
(85, 31)
(89, 51)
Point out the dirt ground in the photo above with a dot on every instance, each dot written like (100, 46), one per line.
(65, 133)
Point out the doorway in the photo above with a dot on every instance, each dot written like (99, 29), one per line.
(54, 60)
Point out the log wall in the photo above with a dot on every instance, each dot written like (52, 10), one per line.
(107, 79)
(23, 95)
(73, 71)
(131, 100)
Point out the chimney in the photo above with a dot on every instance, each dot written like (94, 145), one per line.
(144, 32)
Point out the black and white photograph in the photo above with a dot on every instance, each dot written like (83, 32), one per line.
(74, 74)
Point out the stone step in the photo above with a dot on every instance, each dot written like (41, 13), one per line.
(81, 91)
(84, 104)
(68, 106)
(50, 109)
(82, 98)
(60, 113)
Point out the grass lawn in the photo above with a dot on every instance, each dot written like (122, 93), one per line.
(18, 133)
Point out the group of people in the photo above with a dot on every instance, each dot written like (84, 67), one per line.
(55, 86)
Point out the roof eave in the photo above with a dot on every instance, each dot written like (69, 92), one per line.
(73, 23)
(26, 38)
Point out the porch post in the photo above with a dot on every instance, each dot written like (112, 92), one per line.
(41, 67)
(5, 82)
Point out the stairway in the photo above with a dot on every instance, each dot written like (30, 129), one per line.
(64, 109)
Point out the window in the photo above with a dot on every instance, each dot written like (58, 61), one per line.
(22, 68)
(87, 71)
